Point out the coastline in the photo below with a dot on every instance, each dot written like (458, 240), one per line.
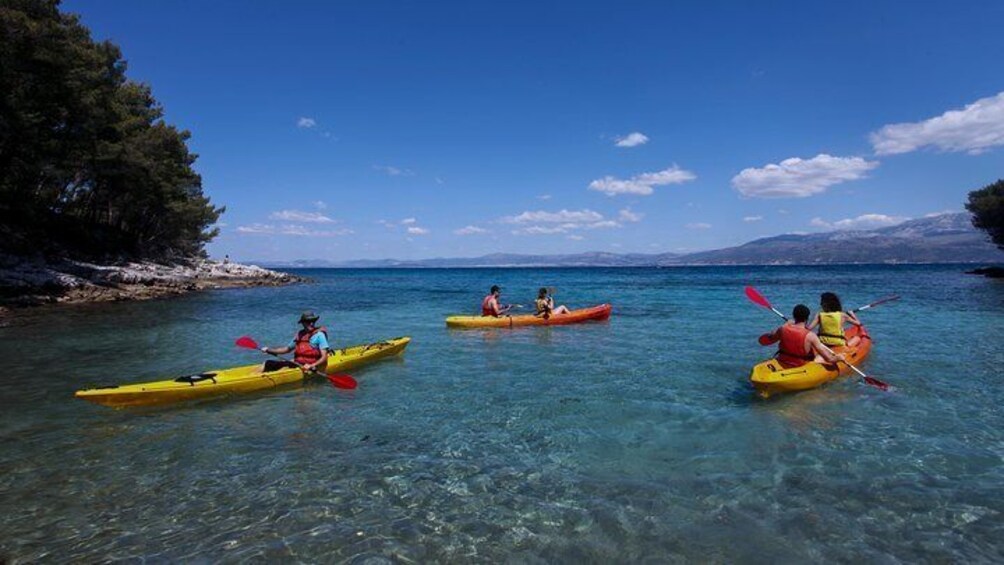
(27, 282)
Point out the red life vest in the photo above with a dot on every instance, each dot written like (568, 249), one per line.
(305, 353)
(486, 306)
(791, 351)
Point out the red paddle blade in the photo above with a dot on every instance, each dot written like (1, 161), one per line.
(246, 342)
(876, 383)
(756, 297)
(343, 381)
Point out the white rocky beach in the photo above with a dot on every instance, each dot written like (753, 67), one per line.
(36, 281)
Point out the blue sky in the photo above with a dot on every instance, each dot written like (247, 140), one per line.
(336, 130)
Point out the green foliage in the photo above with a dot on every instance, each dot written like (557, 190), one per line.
(987, 207)
(87, 164)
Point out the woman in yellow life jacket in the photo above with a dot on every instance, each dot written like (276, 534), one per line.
(831, 319)
(545, 305)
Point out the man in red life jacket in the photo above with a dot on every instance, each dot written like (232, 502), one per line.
(798, 345)
(309, 347)
(490, 304)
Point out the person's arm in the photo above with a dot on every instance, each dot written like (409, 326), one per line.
(815, 322)
(279, 350)
(322, 361)
(850, 317)
(823, 351)
(771, 337)
(320, 341)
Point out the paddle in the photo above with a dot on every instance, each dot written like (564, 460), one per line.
(338, 381)
(760, 300)
(876, 303)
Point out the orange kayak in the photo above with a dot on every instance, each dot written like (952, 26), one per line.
(601, 312)
(770, 378)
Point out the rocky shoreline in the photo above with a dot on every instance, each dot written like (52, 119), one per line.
(35, 281)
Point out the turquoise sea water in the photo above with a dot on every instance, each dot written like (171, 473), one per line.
(636, 439)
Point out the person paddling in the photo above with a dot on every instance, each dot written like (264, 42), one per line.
(490, 305)
(798, 345)
(831, 320)
(309, 347)
(545, 305)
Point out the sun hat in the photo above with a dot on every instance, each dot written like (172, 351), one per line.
(308, 316)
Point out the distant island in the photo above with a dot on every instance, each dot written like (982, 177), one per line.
(944, 238)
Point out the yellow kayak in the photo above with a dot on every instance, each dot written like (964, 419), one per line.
(601, 312)
(248, 378)
(770, 378)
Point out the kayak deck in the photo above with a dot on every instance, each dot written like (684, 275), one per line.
(770, 378)
(595, 313)
(236, 380)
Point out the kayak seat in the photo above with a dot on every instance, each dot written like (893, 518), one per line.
(192, 379)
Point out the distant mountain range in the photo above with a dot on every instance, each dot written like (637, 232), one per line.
(946, 238)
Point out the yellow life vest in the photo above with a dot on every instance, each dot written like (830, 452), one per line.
(543, 306)
(831, 328)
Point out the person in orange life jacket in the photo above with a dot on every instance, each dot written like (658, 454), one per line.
(798, 345)
(545, 305)
(309, 347)
(490, 304)
(831, 320)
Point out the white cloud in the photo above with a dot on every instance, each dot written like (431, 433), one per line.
(320, 205)
(626, 215)
(862, 222)
(544, 197)
(698, 226)
(561, 216)
(470, 230)
(306, 123)
(752, 218)
(408, 221)
(393, 171)
(415, 230)
(798, 178)
(563, 221)
(973, 129)
(299, 216)
(641, 184)
(290, 229)
(632, 139)
(574, 237)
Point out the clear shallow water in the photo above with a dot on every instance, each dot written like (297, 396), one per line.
(632, 440)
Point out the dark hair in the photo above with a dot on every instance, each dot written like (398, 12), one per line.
(830, 302)
(495, 288)
(542, 293)
(801, 313)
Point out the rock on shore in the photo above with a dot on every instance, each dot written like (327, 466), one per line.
(28, 282)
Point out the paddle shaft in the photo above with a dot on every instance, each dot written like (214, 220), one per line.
(876, 303)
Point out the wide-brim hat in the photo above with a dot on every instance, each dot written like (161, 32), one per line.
(308, 316)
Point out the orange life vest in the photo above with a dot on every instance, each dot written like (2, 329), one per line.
(486, 306)
(791, 351)
(305, 353)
